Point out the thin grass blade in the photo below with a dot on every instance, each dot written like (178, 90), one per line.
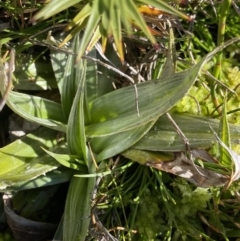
(224, 134)
(53, 8)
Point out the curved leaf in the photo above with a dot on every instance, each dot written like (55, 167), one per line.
(108, 146)
(72, 75)
(54, 7)
(24, 160)
(116, 112)
(163, 136)
(39, 110)
(75, 129)
(54, 177)
(67, 160)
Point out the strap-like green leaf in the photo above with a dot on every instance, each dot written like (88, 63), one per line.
(54, 7)
(24, 160)
(163, 136)
(74, 72)
(116, 112)
(67, 160)
(96, 82)
(108, 146)
(224, 134)
(169, 67)
(57, 176)
(81, 16)
(92, 23)
(78, 209)
(39, 110)
(75, 129)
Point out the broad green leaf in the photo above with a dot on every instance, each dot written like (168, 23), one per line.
(163, 135)
(54, 177)
(96, 82)
(99, 79)
(72, 76)
(39, 110)
(108, 146)
(116, 112)
(77, 212)
(78, 205)
(75, 128)
(24, 160)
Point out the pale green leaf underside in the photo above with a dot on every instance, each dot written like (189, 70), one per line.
(54, 177)
(24, 159)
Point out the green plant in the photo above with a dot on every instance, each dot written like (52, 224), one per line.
(100, 123)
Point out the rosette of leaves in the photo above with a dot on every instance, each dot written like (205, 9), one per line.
(99, 123)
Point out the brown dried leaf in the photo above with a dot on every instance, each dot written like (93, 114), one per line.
(182, 167)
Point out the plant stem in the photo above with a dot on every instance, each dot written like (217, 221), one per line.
(220, 40)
